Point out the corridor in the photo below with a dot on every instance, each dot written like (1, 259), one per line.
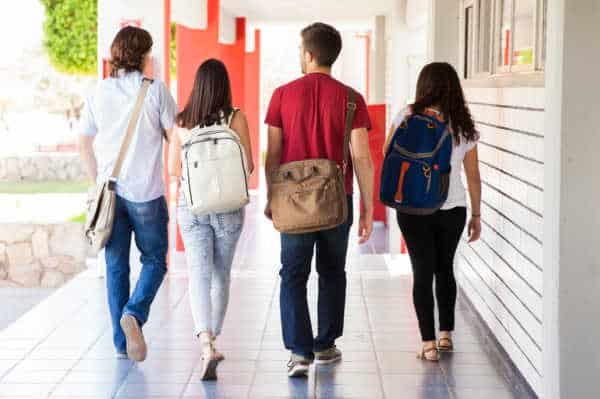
(63, 349)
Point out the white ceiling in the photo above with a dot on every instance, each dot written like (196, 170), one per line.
(267, 11)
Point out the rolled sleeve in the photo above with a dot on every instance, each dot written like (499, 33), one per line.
(168, 108)
(87, 123)
(273, 117)
(361, 116)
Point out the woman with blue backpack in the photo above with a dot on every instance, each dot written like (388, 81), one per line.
(430, 143)
(216, 161)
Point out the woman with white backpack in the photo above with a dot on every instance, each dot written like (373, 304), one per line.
(216, 162)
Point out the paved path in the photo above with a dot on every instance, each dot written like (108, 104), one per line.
(62, 348)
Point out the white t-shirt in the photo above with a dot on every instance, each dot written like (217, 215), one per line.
(456, 192)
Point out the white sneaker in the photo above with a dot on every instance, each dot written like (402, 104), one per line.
(298, 366)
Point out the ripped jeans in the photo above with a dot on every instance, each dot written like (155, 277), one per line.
(210, 242)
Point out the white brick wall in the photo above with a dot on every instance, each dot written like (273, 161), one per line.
(503, 273)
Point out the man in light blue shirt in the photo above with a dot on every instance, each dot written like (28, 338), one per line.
(141, 207)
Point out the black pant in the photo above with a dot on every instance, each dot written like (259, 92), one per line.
(296, 257)
(432, 241)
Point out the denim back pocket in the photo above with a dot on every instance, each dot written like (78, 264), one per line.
(231, 222)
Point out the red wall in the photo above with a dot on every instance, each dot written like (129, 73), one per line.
(194, 46)
(376, 142)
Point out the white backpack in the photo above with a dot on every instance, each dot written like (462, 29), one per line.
(214, 170)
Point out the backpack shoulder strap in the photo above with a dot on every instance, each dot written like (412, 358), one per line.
(232, 116)
(350, 111)
(135, 115)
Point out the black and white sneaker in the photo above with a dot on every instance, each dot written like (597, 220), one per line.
(328, 356)
(298, 366)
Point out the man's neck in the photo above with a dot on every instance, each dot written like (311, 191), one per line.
(319, 69)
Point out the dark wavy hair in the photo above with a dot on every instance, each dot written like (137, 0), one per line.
(439, 87)
(128, 50)
(210, 99)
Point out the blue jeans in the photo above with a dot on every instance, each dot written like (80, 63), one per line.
(296, 257)
(149, 222)
(210, 242)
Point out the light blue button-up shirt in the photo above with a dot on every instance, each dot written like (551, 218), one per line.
(106, 116)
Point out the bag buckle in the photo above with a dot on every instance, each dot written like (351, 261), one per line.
(352, 106)
(112, 184)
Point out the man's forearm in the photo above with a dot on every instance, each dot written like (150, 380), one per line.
(366, 181)
(271, 164)
(88, 160)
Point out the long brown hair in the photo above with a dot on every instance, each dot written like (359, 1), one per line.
(128, 50)
(439, 86)
(210, 99)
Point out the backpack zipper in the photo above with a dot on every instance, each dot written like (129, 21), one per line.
(239, 146)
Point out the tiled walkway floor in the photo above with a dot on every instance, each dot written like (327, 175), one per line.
(62, 348)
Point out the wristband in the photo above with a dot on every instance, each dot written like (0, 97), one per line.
(476, 216)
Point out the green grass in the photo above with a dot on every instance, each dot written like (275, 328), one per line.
(78, 219)
(44, 187)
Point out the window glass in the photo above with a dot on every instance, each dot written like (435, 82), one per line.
(524, 32)
(485, 25)
(506, 11)
(469, 42)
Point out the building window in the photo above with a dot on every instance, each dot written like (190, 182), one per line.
(518, 29)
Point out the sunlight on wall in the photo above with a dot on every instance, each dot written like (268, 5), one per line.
(24, 21)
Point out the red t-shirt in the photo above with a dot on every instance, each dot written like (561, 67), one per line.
(311, 111)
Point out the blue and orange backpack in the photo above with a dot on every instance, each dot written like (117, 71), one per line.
(416, 169)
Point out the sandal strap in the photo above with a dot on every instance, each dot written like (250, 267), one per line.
(433, 348)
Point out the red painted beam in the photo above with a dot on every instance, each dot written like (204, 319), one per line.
(376, 141)
(252, 104)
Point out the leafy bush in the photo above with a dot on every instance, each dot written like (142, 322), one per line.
(173, 50)
(71, 36)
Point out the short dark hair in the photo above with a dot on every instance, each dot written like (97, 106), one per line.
(323, 41)
(128, 49)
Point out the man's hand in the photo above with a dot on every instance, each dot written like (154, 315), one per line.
(365, 226)
(268, 212)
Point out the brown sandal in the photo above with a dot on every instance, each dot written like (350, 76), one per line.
(445, 344)
(432, 358)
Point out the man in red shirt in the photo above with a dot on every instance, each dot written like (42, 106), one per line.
(306, 120)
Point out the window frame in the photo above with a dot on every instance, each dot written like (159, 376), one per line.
(494, 53)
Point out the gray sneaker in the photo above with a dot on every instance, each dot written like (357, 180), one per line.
(328, 356)
(298, 366)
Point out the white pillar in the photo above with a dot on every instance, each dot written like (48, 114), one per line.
(571, 208)
(151, 16)
(399, 91)
(444, 31)
(377, 61)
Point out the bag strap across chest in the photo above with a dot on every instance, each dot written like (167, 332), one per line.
(350, 111)
(135, 115)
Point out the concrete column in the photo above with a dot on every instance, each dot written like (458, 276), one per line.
(148, 14)
(572, 193)
(444, 31)
(399, 91)
(378, 62)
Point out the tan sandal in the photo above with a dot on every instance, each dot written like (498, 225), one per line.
(445, 344)
(425, 354)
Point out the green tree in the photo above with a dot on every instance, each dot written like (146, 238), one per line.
(71, 35)
(173, 50)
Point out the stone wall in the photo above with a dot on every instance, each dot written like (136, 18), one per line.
(42, 167)
(46, 255)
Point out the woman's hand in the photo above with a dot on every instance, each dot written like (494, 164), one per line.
(474, 228)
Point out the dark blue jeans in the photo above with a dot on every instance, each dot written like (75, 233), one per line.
(296, 257)
(149, 223)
